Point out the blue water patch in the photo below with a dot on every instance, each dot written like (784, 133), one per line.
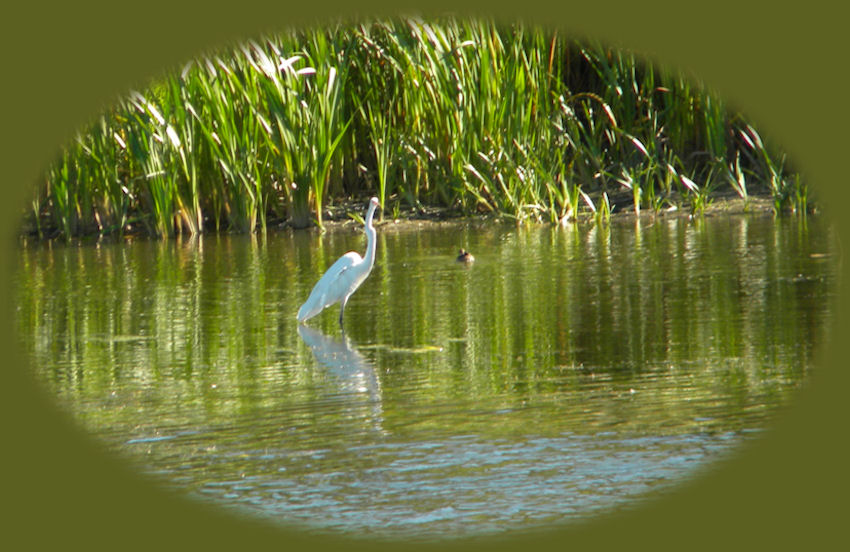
(156, 439)
(466, 484)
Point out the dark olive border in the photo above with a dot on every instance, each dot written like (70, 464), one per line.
(782, 63)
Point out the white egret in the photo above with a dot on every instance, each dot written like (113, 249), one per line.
(343, 277)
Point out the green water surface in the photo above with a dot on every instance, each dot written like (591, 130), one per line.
(565, 372)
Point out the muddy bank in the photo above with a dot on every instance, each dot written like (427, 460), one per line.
(341, 215)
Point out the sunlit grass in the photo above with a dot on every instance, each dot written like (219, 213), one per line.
(466, 114)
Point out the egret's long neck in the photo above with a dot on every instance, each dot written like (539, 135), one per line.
(370, 237)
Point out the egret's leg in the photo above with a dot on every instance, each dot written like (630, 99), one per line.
(342, 309)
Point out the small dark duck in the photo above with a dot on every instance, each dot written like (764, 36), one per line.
(465, 256)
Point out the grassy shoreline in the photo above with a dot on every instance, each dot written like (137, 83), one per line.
(346, 216)
(465, 116)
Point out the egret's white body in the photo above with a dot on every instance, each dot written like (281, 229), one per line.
(343, 277)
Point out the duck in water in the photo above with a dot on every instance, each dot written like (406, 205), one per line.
(465, 256)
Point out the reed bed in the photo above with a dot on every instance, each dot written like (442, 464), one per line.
(471, 115)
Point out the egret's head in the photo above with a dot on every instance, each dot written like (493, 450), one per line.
(374, 202)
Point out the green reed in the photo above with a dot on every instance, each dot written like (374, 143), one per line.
(468, 114)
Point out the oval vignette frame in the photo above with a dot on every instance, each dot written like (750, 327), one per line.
(63, 489)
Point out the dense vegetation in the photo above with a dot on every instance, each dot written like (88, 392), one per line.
(471, 115)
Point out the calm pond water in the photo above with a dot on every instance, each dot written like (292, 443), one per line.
(565, 372)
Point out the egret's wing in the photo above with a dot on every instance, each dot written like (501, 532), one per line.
(331, 287)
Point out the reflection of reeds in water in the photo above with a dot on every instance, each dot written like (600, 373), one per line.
(490, 118)
(726, 313)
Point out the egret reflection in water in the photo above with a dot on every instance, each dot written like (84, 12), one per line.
(350, 369)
